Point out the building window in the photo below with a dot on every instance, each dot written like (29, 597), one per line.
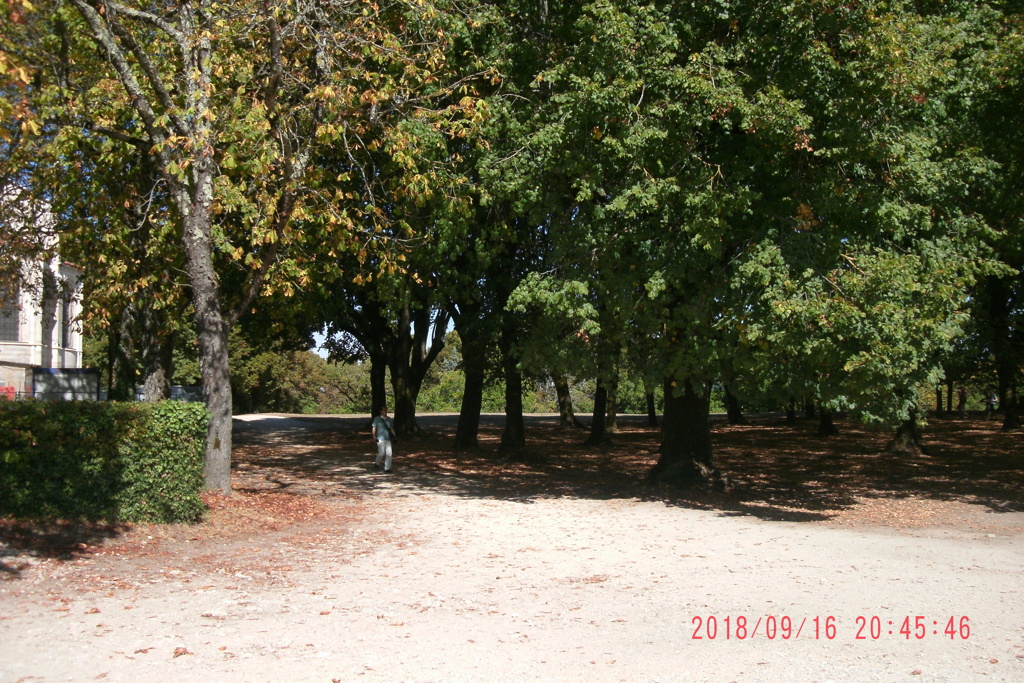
(10, 319)
(65, 323)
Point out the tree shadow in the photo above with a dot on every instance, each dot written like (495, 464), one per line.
(968, 461)
(50, 539)
(780, 472)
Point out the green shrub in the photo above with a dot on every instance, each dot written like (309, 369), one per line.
(131, 462)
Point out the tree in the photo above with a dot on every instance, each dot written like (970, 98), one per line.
(231, 103)
(407, 170)
(122, 225)
(627, 115)
(27, 235)
(486, 254)
(171, 67)
(475, 310)
(991, 103)
(398, 327)
(883, 246)
(736, 163)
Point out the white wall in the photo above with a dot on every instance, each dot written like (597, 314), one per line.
(41, 333)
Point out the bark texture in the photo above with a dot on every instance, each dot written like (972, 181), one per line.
(611, 413)
(513, 439)
(734, 410)
(686, 454)
(907, 441)
(826, 425)
(652, 410)
(213, 348)
(474, 364)
(566, 414)
(157, 355)
(598, 426)
(417, 341)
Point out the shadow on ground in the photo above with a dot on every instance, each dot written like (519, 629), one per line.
(54, 539)
(780, 471)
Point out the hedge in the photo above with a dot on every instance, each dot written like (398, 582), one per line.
(118, 462)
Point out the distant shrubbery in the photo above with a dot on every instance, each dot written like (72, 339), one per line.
(133, 462)
(296, 382)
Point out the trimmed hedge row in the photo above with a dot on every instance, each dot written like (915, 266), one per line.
(128, 462)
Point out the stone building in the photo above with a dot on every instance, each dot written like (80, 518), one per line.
(39, 334)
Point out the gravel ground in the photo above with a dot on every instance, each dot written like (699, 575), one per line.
(386, 578)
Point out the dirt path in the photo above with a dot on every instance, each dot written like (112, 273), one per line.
(432, 575)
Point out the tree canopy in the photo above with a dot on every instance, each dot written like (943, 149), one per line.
(811, 202)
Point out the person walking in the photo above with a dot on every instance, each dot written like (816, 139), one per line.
(384, 435)
(991, 400)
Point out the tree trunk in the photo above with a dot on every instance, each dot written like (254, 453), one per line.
(513, 439)
(122, 371)
(826, 427)
(406, 390)
(188, 166)
(1006, 340)
(417, 341)
(809, 408)
(567, 416)
(1008, 401)
(152, 325)
(733, 409)
(399, 350)
(157, 355)
(938, 400)
(652, 411)
(157, 382)
(378, 384)
(791, 412)
(612, 408)
(598, 433)
(907, 440)
(213, 341)
(474, 363)
(686, 455)
(113, 341)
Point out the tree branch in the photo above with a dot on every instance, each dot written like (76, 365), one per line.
(149, 18)
(141, 144)
(119, 61)
(152, 75)
(276, 72)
